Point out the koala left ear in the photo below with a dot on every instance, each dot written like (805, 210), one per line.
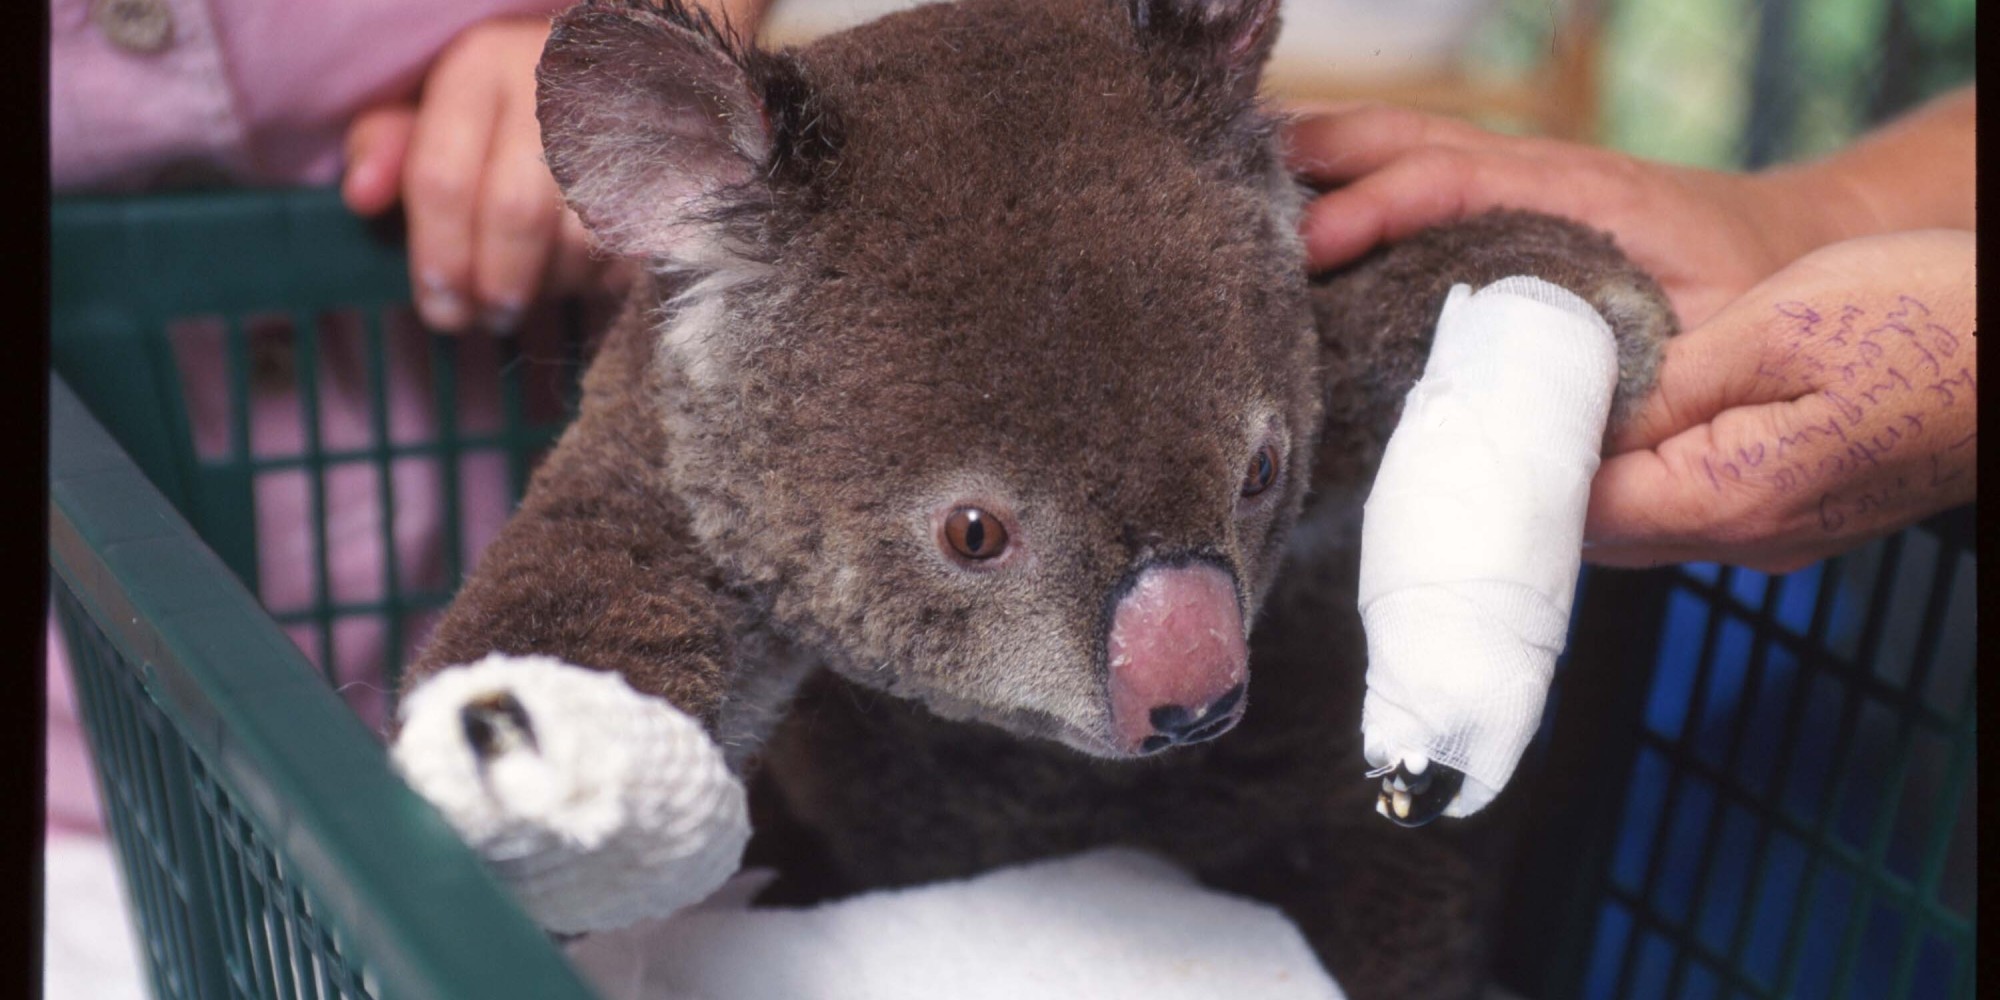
(657, 123)
(648, 113)
(1209, 54)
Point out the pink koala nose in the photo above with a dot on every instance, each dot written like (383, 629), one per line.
(1177, 659)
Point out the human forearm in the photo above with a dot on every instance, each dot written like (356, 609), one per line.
(1915, 173)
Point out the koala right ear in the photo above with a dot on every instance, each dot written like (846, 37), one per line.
(650, 116)
(1217, 47)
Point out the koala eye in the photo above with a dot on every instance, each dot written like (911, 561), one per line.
(1263, 471)
(975, 534)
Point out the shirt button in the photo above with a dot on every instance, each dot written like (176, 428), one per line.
(135, 25)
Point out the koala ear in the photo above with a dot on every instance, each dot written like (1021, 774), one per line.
(1211, 52)
(651, 118)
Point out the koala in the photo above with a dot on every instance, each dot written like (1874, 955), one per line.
(976, 464)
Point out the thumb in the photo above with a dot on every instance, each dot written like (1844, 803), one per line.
(377, 141)
(1723, 364)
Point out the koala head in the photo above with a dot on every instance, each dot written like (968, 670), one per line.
(982, 337)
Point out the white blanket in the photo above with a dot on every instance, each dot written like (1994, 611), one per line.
(1105, 925)
(88, 951)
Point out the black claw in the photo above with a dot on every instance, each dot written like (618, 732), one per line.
(1429, 793)
(1414, 784)
(496, 724)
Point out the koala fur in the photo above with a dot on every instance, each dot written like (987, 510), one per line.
(1037, 257)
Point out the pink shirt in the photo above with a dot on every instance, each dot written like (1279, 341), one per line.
(259, 90)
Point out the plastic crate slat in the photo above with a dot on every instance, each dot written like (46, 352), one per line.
(223, 859)
(1679, 751)
(1762, 628)
(1846, 751)
(411, 600)
(444, 383)
(152, 832)
(1904, 699)
(1891, 794)
(531, 437)
(1721, 965)
(307, 342)
(1775, 818)
(385, 494)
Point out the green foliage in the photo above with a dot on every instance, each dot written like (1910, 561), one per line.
(1680, 80)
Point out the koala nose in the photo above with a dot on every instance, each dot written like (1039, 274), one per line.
(1178, 662)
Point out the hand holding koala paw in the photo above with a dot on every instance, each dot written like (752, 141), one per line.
(598, 805)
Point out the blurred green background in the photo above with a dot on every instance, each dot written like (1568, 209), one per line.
(1744, 83)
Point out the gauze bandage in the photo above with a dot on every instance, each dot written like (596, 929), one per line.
(617, 808)
(1472, 535)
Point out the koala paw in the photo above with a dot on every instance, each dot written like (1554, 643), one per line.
(598, 805)
(1642, 321)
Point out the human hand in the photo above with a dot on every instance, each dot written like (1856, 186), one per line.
(1707, 236)
(1832, 403)
(488, 231)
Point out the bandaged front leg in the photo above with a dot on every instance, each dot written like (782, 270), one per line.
(1471, 540)
(598, 805)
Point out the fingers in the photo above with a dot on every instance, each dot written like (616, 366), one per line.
(1713, 492)
(1419, 190)
(1703, 372)
(1649, 496)
(519, 217)
(378, 142)
(1340, 142)
(1402, 171)
(448, 149)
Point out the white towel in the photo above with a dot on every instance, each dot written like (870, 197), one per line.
(1106, 925)
(88, 951)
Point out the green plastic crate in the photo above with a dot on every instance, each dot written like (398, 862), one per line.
(1762, 786)
(267, 848)
(270, 852)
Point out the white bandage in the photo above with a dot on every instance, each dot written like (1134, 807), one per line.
(1472, 535)
(621, 810)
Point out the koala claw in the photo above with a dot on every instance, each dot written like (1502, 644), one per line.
(1415, 790)
(598, 805)
(495, 725)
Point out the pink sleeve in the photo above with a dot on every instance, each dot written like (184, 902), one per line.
(258, 90)
(302, 70)
(118, 117)
(72, 790)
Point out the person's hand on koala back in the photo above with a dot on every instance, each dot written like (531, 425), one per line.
(1707, 235)
(1787, 280)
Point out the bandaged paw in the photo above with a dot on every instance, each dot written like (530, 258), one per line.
(1472, 538)
(598, 805)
